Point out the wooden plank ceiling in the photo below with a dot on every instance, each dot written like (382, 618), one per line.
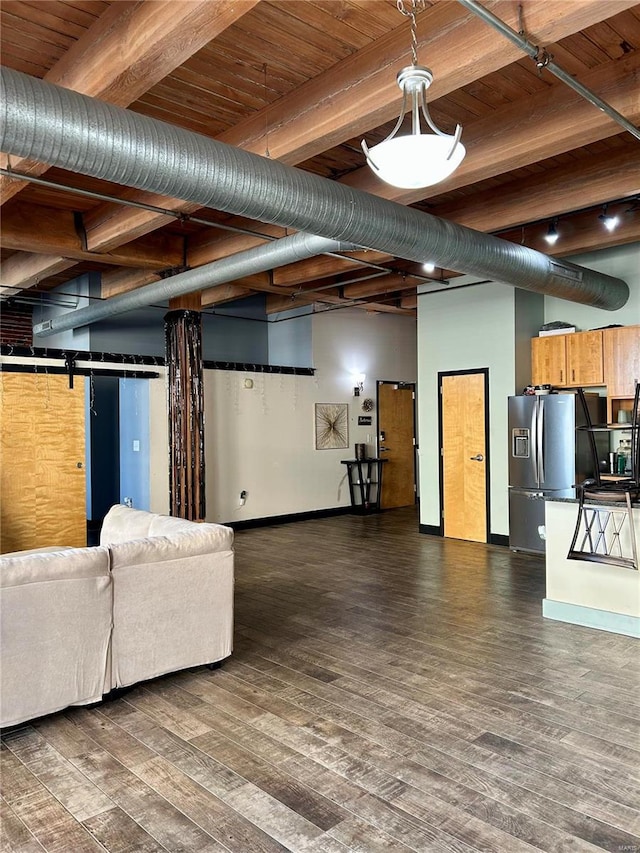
(304, 81)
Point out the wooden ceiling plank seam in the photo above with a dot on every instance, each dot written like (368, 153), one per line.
(327, 38)
(325, 21)
(40, 21)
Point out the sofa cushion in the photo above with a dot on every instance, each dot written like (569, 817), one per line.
(160, 549)
(122, 523)
(47, 549)
(219, 536)
(59, 564)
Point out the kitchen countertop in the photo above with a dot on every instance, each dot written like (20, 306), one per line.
(594, 501)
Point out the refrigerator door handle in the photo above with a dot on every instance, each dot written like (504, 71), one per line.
(540, 442)
(534, 442)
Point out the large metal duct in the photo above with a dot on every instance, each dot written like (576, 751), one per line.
(63, 128)
(287, 250)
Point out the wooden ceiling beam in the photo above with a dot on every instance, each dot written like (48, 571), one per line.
(224, 293)
(322, 266)
(325, 112)
(386, 284)
(409, 301)
(581, 233)
(23, 270)
(561, 190)
(129, 49)
(62, 236)
(381, 308)
(277, 303)
(120, 280)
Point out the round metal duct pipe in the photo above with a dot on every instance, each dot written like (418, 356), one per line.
(63, 128)
(287, 250)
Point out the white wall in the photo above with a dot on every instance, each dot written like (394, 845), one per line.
(622, 262)
(479, 327)
(465, 329)
(261, 440)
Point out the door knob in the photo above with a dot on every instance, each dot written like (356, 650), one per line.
(383, 449)
(477, 458)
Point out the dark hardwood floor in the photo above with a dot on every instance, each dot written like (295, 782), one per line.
(388, 691)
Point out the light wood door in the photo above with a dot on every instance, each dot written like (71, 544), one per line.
(549, 360)
(622, 360)
(396, 421)
(464, 456)
(584, 358)
(42, 428)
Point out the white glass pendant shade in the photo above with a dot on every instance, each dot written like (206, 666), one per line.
(415, 160)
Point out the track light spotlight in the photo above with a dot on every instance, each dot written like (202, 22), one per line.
(609, 221)
(552, 234)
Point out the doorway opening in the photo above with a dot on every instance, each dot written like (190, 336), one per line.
(463, 424)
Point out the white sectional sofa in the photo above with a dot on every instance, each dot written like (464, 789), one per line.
(154, 597)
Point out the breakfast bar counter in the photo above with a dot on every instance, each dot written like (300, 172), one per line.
(586, 591)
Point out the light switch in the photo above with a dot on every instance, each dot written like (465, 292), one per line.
(136, 446)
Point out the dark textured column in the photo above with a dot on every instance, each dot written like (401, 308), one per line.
(183, 337)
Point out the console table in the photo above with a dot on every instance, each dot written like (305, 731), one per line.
(365, 483)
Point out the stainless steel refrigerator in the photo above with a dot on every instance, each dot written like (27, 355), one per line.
(548, 456)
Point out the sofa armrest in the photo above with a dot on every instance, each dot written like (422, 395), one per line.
(55, 628)
(123, 523)
(172, 605)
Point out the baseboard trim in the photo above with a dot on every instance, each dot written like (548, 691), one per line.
(434, 530)
(590, 617)
(269, 520)
(430, 530)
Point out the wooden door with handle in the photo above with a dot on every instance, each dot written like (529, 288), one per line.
(396, 422)
(463, 442)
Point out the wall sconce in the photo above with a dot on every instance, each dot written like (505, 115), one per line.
(358, 379)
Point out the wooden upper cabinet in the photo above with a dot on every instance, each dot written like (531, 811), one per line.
(549, 360)
(584, 359)
(567, 361)
(621, 360)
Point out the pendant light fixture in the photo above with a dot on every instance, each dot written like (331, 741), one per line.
(417, 159)
(552, 234)
(609, 220)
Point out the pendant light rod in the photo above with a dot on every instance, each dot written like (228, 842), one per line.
(544, 60)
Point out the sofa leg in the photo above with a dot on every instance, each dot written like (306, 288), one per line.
(215, 665)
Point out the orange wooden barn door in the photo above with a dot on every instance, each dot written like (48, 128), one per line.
(42, 435)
